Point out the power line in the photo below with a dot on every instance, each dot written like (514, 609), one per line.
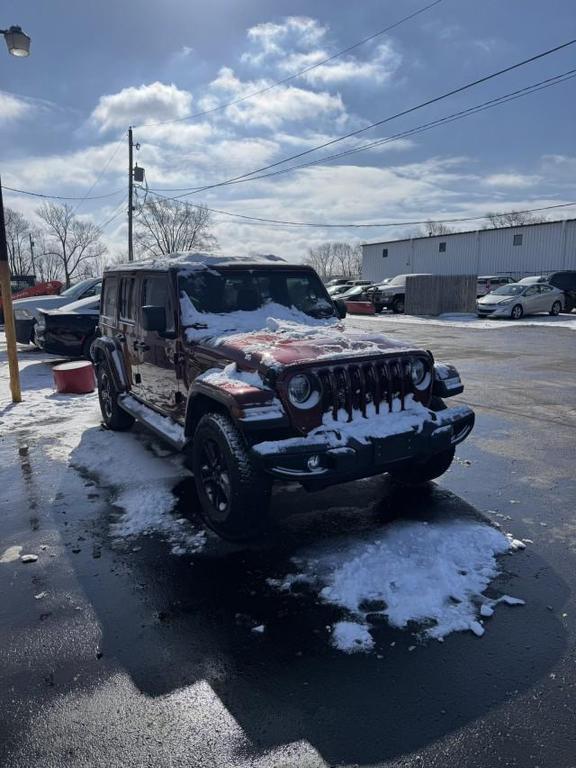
(102, 172)
(454, 91)
(321, 225)
(62, 197)
(490, 104)
(287, 79)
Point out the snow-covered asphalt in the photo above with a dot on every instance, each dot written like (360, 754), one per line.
(138, 639)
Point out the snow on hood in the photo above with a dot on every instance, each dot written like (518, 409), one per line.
(88, 306)
(276, 335)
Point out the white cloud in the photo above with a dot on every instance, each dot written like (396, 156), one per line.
(378, 69)
(146, 103)
(272, 108)
(301, 42)
(271, 39)
(510, 180)
(13, 108)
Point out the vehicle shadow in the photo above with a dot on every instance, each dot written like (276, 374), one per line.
(171, 622)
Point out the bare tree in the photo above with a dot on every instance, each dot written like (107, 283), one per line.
(511, 219)
(76, 244)
(165, 226)
(432, 228)
(18, 232)
(321, 259)
(336, 258)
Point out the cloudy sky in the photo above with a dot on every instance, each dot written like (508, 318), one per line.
(96, 68)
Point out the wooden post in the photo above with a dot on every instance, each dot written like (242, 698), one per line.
(9, 328)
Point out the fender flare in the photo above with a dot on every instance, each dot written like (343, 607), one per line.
(201, 392)
(108, 349)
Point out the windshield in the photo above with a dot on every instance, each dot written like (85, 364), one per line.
(228, 291)
(78, 288)
(509, 290)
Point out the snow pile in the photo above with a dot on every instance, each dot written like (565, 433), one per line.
(142, 485)
(272, 316)
(431, 574)
(230, 374)
(335, 433)
(466, 320)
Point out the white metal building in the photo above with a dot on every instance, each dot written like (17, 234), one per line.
(530, 249)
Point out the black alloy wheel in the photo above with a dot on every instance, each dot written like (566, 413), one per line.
(234, 494)
(215, 477)
(113, 416)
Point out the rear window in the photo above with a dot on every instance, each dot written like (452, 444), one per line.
(110, 300)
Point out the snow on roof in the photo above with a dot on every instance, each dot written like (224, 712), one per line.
(198, 260)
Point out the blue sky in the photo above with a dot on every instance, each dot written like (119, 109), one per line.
(97, 67)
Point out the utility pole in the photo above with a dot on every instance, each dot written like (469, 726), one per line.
(130, 194)
(32, 254)
(9, 327)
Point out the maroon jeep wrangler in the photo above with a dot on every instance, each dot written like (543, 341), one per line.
(245, 366)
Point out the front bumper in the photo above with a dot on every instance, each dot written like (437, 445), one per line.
(494, 310)
(24, 329)
(316, 460)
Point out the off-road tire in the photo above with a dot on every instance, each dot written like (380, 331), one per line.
(113, 416)
(556, 309)
(418, 473)
(235, 507)
(517, 312)
(398, 306)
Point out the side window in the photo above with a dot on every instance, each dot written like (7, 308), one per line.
(532, 291)
(156, 293)
(127, 309)
(517, 240)
(110, 301)
(545, 288)
(94, 290)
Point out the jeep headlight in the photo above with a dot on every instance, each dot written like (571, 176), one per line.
(23, 314)
(301, 391)
(419, 373)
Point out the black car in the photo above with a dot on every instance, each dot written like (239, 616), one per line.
(70, 330)
(565, 281)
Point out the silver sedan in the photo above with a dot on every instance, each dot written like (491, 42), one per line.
(517, 299)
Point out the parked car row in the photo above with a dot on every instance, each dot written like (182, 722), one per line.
(495, 294)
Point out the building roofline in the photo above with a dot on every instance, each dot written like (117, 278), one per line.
(467, 232)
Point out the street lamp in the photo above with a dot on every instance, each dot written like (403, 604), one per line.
(17, 41)
(18, 45)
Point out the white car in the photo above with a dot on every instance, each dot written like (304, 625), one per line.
(518, 299)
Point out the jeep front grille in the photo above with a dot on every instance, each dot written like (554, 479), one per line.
(352, 387)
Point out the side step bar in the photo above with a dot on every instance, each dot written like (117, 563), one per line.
(163, 426)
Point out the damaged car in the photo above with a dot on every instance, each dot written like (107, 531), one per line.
(245, 365)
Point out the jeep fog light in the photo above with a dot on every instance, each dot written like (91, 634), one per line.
(314, 462)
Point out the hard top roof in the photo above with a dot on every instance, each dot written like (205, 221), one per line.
(192, 260)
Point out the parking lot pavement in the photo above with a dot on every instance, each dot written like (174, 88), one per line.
(153, 651)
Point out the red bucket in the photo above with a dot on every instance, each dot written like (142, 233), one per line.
(74, 378)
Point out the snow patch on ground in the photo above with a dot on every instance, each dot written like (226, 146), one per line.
(471, 321)
(142, 485)
(351, 637)
(69, 426)
(431, 574)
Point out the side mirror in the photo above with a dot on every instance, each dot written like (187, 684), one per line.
(154, 318)
(340, 308)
